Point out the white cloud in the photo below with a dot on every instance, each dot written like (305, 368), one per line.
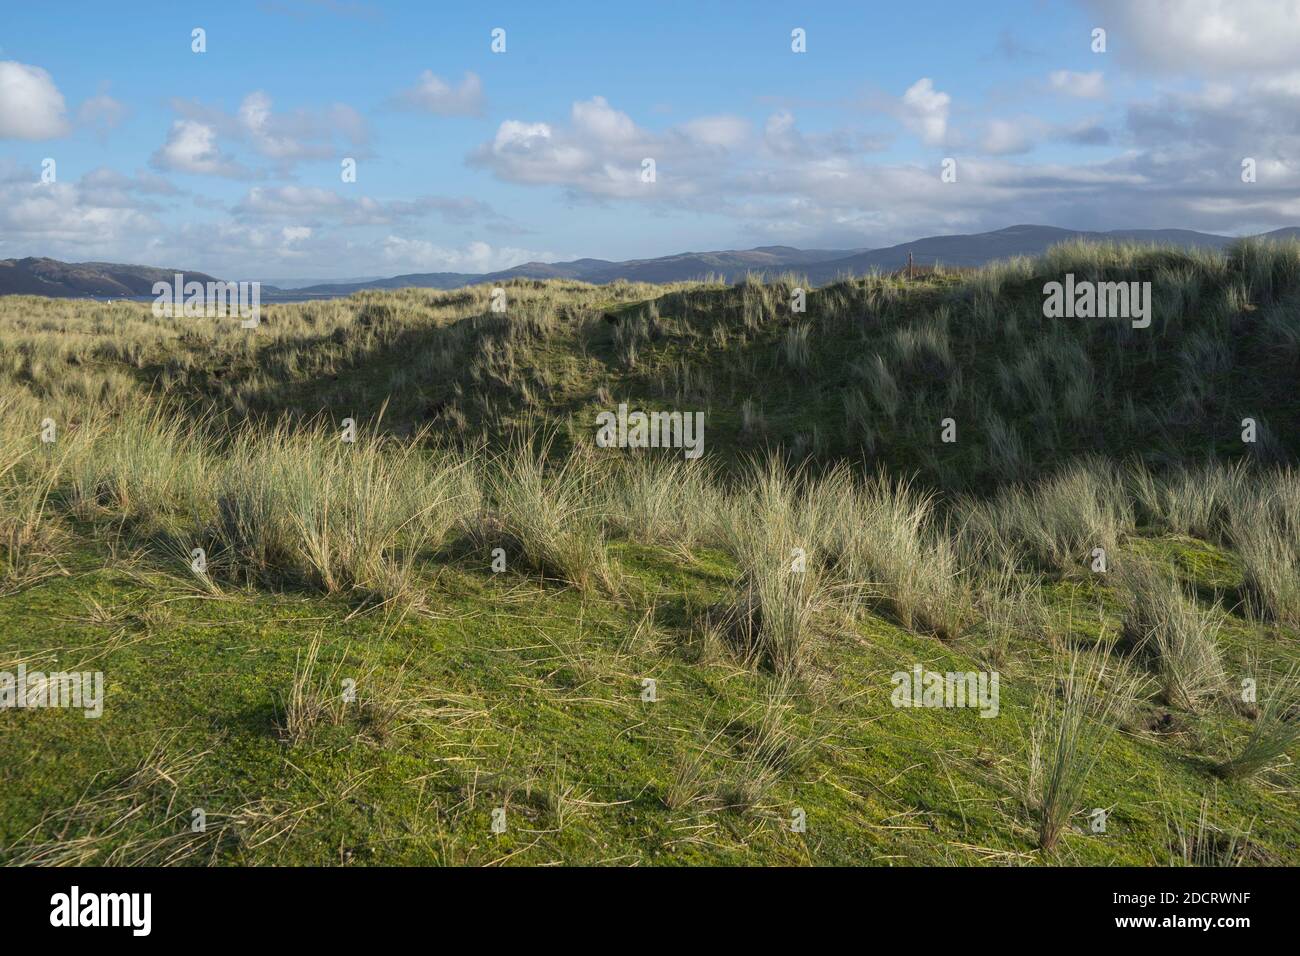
(792, 187)
(72, 219)
(290, 201)
(531, 153)
(108, 187)
(1089, 86)
(283, 138)
(303, 134)
(31, 106)
(780, 135)
(309, 203)
(722, 132)
(191, 147)
(1202, 36)
(433, 94)
(512, 134)
(114, 217)
(1286, 85)
(596, 119)
(264, 246)
(599, 153)
(783, 139)
(924, 111)
(1006, 136)
(255, 117)
(1022, 134)
(419, 255)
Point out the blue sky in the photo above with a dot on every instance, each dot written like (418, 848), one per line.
(468, 160)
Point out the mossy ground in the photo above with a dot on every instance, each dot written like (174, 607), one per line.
(521, 694)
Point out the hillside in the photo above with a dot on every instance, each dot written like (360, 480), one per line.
(435, 622)
(819, 266)
(981, 248)
(684, 267)
(49, 277)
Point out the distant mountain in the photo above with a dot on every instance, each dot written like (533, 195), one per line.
(819, 265)
(421, 280)
(288, 284)
(730, 264)
(978, 248)
(54, 278)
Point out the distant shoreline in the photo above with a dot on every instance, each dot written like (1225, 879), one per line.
(272, 298)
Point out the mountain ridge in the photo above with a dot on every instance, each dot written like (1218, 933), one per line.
(40, 275)
(52, 277)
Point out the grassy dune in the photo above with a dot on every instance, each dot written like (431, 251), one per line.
(373, 650)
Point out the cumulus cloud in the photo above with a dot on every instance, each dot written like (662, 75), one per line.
(599, 153)
(782, 138)
(284, 201)
(255, 120)
(108, 187)
(419, 255)
(31, 106)
(780, 135)
(785, 185)
(191, 147)
(924, 111)
(284, 138)
(208, 246)
(1202, 36)
(91, 217)
(313, 204)
(1088, 86)
(1023, 134)
(721, 132)
(596, 119)
(112, 216)
(301, 134)
(1006, 136)
(532, 153)
(433, 94)
(1191, 145)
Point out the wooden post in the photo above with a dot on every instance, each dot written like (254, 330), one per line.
(909, 265)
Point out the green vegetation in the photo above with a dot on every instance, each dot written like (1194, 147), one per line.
(351, 642)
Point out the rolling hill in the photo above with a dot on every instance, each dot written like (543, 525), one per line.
(40, 276)
(819, 265)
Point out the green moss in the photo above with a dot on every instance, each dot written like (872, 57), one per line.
(528, 697)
